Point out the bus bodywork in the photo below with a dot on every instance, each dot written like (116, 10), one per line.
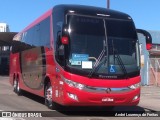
(79, 56)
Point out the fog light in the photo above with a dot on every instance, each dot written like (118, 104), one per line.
(72, 96)
(136, 97)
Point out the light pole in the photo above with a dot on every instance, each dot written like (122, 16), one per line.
(108, 4)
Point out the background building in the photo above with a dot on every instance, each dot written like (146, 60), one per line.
(5, 47)
(154, 68)
(4, 27)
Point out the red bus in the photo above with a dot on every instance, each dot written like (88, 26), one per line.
(77, 55)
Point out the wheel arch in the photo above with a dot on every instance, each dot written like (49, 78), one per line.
(46, 79)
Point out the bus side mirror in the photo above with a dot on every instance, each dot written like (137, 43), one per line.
(148, 38)
(59, 45)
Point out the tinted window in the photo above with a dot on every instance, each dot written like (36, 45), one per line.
(39, 35)
(58, 21)
(86, 25)
(119, 28)
(86, 33)
(109, 44)
(28, 36)
(44, 39)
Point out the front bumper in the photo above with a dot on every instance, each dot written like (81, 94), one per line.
(74, 97)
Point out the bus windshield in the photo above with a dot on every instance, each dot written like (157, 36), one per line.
(102, 47)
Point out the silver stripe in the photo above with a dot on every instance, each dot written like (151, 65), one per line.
(107, 90)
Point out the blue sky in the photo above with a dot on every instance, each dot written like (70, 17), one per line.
(19, 13)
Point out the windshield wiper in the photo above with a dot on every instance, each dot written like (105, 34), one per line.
(116, 55)
(96, 65)
(121, 64)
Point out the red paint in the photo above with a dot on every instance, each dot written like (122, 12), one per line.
(95, 99)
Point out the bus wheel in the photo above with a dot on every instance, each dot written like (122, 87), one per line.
(48, 96)
(17, 89)
(15, 85)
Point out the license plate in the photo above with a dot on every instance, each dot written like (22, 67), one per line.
(107, 99)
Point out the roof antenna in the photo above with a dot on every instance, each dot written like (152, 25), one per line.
(108, 4)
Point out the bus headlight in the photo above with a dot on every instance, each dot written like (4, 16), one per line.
(135, 86)
(74, 84)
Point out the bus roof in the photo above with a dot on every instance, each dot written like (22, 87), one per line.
(92, 11)
(81, 9)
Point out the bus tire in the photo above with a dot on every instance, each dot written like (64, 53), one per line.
(16, 87)
(48, 96)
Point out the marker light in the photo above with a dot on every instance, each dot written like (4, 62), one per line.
(104, 15)
(71, 11)
(148, 46)
(65, 40)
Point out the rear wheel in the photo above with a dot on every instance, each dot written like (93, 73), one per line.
(16, 87)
